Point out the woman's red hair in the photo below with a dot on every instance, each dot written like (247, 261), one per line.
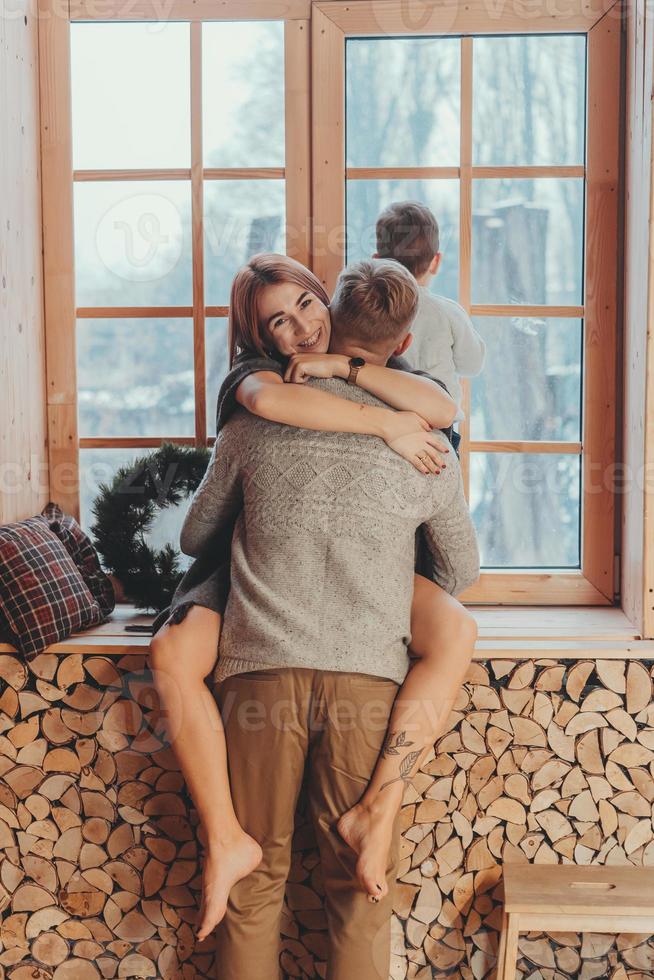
(265, 269)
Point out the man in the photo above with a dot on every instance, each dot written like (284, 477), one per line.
(315, 632)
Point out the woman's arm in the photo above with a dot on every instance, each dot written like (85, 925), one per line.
(265, 394)
(403, 390)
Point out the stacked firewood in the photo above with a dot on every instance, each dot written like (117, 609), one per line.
(100, 863)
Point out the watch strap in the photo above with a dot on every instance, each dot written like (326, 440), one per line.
(356, 363)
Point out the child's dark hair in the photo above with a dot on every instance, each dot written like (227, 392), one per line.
(407, 231)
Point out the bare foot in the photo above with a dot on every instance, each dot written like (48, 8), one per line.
(369, 832)
(225, 863)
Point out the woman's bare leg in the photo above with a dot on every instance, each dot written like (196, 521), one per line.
(443, 642)
(181, 656)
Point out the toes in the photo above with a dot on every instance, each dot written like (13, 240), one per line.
(380, 889)
(372, 885)
(208, 925)
(378, 892)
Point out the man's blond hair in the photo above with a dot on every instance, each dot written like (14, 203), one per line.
(374, 303)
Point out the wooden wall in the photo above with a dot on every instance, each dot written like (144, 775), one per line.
(637, 520)
(23, 453)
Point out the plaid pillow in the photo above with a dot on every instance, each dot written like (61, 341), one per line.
(43, 597)
(80, 548)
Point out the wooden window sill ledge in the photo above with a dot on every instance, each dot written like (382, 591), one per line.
(505, 632)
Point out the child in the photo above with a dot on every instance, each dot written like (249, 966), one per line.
(445, 343)
(280, 323)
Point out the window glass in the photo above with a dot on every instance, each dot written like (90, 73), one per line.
(243, 94)
(403, 102)
(527, 241)
(133, 243)
(526, 509)
(241, 217)
(529, 100)
(130, 89)
(135, 377)
(530, 387)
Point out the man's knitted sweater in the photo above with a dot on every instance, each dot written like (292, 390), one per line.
(324, 543)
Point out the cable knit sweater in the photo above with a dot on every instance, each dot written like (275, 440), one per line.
(324, 543)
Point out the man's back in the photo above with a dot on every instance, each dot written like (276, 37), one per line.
(323, 548)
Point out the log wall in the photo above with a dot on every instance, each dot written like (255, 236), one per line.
(23, 455)
(545, 762)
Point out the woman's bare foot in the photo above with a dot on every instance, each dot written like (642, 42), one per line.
(225, 863)
(369, 830)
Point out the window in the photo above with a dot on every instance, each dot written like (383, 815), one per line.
(180, 174)
(196, 154)
(503, 134)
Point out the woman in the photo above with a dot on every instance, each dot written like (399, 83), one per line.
(280, 328)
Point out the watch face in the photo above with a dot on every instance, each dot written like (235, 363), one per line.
(357, 361)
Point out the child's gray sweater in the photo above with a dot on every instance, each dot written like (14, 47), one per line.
(324, 543)
(445, 343)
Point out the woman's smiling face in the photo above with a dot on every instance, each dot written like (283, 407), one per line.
(294, 320)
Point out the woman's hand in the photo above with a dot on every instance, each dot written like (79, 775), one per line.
(304, 366)
(411, 437)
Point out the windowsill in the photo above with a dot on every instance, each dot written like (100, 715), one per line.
(505, 632)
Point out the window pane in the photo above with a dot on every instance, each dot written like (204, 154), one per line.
(526, 509)
(403, 98)
(528, 102)
(98, 466)
(130, 95)
(527, 241)
(242, 217)
(530, 387)
(243, 94)
(217, 364)
(367, 198)
(133, 243)
(135, 377)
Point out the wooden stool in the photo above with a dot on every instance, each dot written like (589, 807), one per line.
(572, 898)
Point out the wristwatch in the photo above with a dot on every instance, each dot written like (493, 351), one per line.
(356, 363)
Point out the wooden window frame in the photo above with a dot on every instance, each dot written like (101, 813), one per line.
(333, 22)
(315, 34)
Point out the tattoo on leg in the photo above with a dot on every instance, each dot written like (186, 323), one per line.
(406, 765)
(390, 747)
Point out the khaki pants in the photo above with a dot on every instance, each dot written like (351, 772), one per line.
(276, 721)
